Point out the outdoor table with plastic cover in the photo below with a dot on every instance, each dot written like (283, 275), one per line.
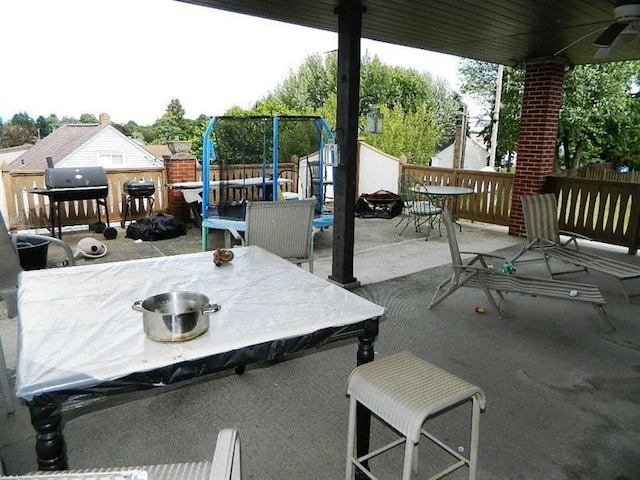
(79, 338)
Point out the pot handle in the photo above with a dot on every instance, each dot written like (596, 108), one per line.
(137, 305)
(209, 309)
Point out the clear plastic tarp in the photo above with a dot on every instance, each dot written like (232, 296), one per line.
(77, 328)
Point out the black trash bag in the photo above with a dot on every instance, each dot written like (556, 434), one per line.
(159, 226)
(380, 204)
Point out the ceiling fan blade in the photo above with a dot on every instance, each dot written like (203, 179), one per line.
(609, 36)
(602, 53)
(629, 34)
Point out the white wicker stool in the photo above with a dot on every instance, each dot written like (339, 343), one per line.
(403, 391)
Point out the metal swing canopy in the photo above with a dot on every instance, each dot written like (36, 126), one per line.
(210, 155)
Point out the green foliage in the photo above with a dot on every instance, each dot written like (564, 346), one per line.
(172, 125)
(44, 127)
(248, 138)
(413, 134)
(419, 113)
(13, 135)
(479, 80)
(88, 118)
(22, 119)
(599, 116)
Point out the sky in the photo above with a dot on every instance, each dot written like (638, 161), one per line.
(130, 58)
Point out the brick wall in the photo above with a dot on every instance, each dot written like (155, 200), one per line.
(537, 136)
(180, 168)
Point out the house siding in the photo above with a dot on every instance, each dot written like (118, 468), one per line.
(109, 141)
(475, 156)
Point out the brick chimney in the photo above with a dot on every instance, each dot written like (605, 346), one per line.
(105, 119)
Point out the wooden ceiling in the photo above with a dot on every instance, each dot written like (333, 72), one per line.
(499, 31)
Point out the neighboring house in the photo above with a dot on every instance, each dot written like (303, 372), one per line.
(8, 155)
(86, 145)
(475, 156)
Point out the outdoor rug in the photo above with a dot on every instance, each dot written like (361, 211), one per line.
(563, 396)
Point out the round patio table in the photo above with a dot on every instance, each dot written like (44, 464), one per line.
(440, 195)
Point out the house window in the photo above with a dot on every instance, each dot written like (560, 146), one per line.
(110, 159)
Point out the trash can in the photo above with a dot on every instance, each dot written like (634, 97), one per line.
(32, 252)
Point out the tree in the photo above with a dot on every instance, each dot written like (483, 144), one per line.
(43, 127)
(597, 106)
(88, 118)
(598, 117)
(402, 95)
(68, 120)
(24, 120)
(479, 80)
(13, 135)
(172, 125)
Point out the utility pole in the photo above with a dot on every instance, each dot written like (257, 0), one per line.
(496, 116)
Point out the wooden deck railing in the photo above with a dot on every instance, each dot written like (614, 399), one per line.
(491, 202)
(286, 170)
(602, 210)
(30, 211)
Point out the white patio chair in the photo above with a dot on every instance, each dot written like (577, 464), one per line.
(282, 228)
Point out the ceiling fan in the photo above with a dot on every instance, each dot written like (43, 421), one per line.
(625, 28)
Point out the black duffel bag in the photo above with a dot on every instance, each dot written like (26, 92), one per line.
(159, 226)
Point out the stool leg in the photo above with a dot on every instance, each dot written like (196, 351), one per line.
(475, 433)
(409, 447)
(351, 435)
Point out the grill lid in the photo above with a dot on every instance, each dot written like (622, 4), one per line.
(139, 187)
(75, 177)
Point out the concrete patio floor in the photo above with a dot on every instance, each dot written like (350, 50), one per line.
(563, 391)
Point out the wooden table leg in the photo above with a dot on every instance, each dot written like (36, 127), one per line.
(46, 418)
(363, 415)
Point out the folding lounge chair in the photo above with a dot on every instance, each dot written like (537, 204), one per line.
(282, 228)
(543, 237)
(475, 273)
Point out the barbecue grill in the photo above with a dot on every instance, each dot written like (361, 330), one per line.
(137, 190)
(71, 184)
(140, 188)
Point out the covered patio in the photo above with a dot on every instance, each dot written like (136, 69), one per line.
(562, 388)
(543, 37)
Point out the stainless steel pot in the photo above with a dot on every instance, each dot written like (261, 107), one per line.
(175, 316)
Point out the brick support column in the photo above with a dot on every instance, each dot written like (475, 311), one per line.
(180, 167)
(537, 136)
